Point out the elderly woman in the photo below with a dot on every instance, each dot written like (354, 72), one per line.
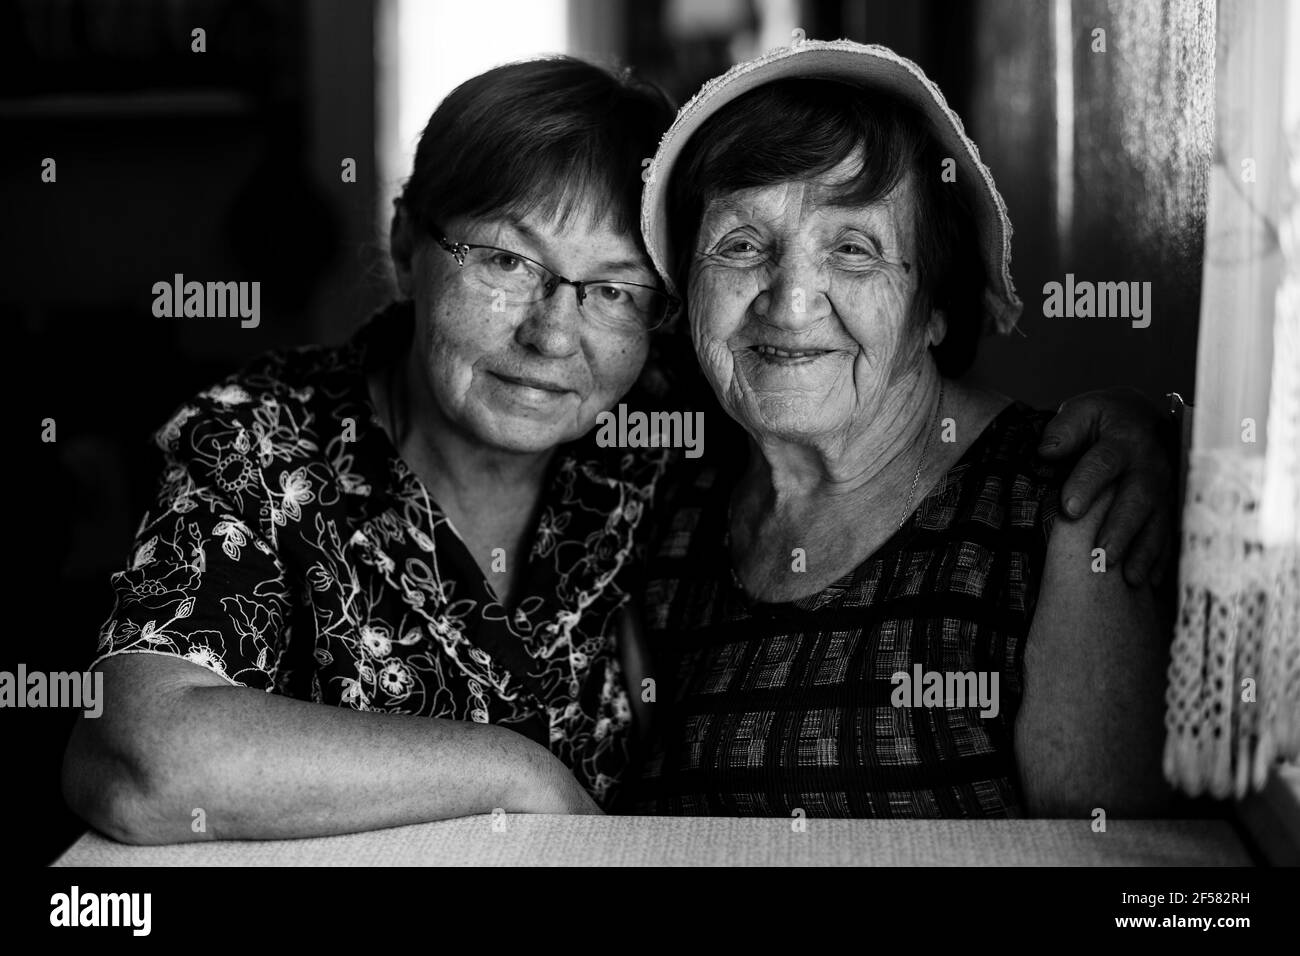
(876, 610)
(386, 583)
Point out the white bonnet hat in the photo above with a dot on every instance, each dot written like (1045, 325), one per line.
(867, 66)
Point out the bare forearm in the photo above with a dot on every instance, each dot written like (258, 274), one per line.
(1090, 729)
(260, 766)
(264, 766)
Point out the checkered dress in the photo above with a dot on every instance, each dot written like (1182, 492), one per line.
(773, 709)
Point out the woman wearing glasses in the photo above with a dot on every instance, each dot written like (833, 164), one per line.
(415, 529)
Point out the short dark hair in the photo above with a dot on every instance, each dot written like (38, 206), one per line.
(538, 136)
(800, 128)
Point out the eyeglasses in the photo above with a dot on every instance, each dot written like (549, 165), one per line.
(514, 279)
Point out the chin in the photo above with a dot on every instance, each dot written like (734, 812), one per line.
(793, 418)
(525, 435)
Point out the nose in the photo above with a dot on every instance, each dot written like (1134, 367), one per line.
(552, 327)
(794, 296)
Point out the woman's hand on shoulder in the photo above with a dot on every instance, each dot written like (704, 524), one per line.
(1117, 432)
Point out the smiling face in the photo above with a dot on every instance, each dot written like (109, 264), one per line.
(520, 377)
(804, 313)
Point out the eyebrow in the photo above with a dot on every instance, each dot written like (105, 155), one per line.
(615, 265)
(624, 265)
(521, 227)
(728, 209)
(729, 203)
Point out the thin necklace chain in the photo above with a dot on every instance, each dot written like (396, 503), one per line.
(925, 450)
(916, 478)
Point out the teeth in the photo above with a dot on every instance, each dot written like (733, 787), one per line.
(782, 353)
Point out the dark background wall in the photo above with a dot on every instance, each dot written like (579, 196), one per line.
(225, 166)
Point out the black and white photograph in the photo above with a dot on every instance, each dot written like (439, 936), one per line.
(653, 433)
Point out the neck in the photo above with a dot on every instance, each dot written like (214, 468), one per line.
(877, 460)
(465, 476)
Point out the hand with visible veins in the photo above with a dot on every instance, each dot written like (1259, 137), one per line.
(1117, 434)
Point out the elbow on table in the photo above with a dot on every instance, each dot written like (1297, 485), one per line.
(118, 796)
(1131, 792)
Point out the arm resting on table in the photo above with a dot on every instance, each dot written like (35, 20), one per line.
(174, 737)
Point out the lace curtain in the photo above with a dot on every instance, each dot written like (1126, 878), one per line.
(1234, 689)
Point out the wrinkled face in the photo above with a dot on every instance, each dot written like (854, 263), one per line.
(803, 312)
(523, 377)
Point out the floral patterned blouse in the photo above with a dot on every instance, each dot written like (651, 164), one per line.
(292, 550)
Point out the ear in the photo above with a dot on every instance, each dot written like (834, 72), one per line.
(401, 246)
(936, 330)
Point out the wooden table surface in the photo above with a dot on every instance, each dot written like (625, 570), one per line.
(709, 841)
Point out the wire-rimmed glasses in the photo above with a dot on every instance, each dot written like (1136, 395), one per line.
(512, 278)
